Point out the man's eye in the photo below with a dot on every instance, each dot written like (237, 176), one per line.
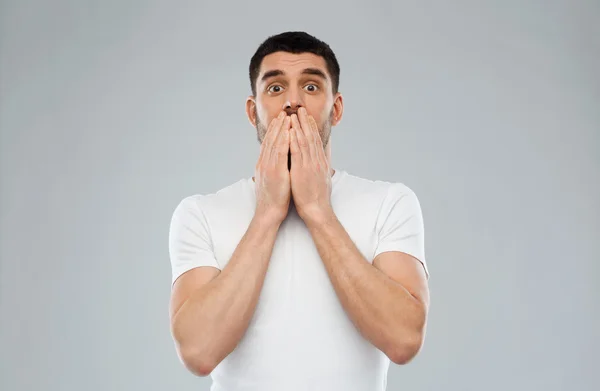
(311, 87)
(275, 89)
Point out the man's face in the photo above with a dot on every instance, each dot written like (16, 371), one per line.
(288, 81)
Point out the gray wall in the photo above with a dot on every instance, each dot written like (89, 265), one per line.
(111, 112)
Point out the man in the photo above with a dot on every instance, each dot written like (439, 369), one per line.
(301, 277)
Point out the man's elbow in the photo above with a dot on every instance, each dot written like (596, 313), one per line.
(195, 362)
(403, 353)
(190, 355)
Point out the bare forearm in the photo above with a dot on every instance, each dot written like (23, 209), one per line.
(382, 310)
(213, 320)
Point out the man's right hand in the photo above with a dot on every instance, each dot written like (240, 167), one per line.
(273, 186)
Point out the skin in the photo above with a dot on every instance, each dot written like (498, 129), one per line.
(387, 300)
(292, 90)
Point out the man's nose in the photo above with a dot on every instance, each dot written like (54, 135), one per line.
(292, 109)
(293, 102)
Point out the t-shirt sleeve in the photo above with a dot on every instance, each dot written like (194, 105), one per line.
(190, 244)
(400, 224)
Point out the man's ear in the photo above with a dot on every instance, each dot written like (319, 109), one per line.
(338, 109)
(251, 110)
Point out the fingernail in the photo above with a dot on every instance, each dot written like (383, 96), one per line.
(281, 114)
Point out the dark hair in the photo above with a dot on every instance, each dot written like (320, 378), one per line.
(295, 42)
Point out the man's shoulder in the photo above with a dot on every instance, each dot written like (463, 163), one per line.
(227, 196)
(356, 184)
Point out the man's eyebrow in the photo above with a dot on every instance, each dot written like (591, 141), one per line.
(306, 71)
(274, 72)
(315, 72)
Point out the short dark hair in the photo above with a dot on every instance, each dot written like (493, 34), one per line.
(295, 42)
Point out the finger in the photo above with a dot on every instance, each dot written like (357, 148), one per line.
(295, 147)
(284, 148)
(280, 146)
(265, 150)
(303, 152)
(263, 145)
(308, 133)
(318, 141)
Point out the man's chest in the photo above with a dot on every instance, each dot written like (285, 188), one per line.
(294, 244)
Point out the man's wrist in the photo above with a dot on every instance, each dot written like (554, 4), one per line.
(267, 219)
(318, 217)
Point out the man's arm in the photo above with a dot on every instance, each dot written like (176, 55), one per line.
(207, 322)
(209, 315)
(390, 312)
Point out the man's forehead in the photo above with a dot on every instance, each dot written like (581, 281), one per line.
(292, 63)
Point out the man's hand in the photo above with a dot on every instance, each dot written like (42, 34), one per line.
(310, 171)
(273, 187)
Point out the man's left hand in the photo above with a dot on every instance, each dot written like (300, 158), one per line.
(310, 172)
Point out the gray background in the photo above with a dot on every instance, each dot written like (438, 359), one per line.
(111, 112)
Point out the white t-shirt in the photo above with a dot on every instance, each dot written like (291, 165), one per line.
(300, 337)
